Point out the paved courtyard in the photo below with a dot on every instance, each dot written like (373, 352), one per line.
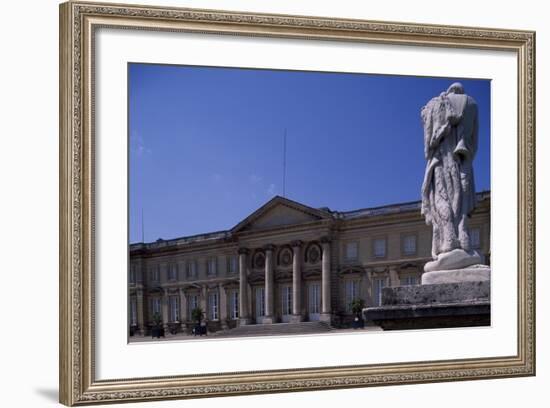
(273, 330)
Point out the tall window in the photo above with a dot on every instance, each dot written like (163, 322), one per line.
(287, 300)
(173, 272)
(174, 308)
(213, 305)
(133, 311)
(409, 281)
(352, 293)
(155, 273)
(409, 245)
(314, 298)
(155, 306)
(133, 274)
(232, 265)
(260, 302)
(234, 304)
(211, 267)
(192, 269)
(379, 284)
(352, 251)
(380, 247)
(475, 238)
(193, 303)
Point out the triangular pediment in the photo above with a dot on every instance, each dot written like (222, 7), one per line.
(279, 212)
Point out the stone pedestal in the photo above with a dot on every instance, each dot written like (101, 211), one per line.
(325, 317)
(268, 320)
(296, 318)
(440, 305)
(243, 321)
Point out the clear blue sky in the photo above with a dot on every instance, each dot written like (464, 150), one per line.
(206, 144)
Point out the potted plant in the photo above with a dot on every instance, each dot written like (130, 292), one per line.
(157, 330)
(196, 315)
(357, 306)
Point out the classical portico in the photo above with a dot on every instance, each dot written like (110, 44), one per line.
(273, 309)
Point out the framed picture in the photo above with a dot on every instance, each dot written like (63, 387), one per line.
(259, 203)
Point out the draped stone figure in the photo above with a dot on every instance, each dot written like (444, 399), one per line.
(448, 192)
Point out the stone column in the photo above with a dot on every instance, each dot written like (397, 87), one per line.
(164, 305)
(296, 282)
(367, 287)
(204, 302)
(244, 312)
(222, 305)
(183, 309)
(326, 310)
(269, 285)
(394, 277)
(140, 315)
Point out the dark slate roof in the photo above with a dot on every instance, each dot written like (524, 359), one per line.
(345, 215)
(160, 243)
(394, 208)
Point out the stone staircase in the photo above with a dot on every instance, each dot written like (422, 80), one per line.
(276, 329)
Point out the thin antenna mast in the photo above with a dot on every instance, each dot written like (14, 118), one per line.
(142, 227)
(284, 164)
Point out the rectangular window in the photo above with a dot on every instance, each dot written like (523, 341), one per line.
(192, 269)
(232, 265)
(172, 272)
(379, 284)
(174, 308)
(155, 306)
(380, 247)
(213, 305)
(352, 293)
(409, 245)
(234, 304)
(133, 275)
(409, 281)
(287, 300)
(211, 267)
(133, 311)
(193, 303)
(155, 274)
(475, 238)
(260, 302)
(314, 298)
(352, 251)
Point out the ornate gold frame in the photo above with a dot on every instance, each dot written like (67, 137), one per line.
(78, 21)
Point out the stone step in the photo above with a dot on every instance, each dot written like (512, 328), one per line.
(277, 329)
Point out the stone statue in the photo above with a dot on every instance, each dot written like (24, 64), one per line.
(448, 192)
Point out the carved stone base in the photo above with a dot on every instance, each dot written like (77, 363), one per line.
(455, 259)
(243, 321)
(474, 273)
(268, 320)
(296, 319)
(325, 317)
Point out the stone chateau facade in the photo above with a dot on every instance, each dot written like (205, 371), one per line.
(286, 262)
